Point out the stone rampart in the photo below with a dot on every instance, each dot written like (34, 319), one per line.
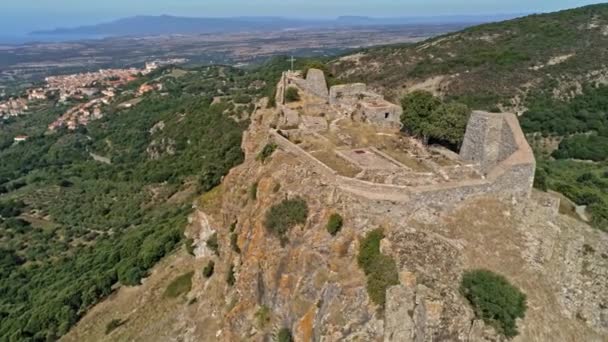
(513, 176)
(314, 83)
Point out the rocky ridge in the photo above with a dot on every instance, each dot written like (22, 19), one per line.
(314, 286)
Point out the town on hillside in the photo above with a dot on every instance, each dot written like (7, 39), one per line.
(87, 93)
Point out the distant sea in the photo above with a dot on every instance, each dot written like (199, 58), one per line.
(41, 38)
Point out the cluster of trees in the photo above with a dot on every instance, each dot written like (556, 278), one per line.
(586, 112)
(431, 119)
(109, 223)
(584, 183)
(582, 122)
(584, 147)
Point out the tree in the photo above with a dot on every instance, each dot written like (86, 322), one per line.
(427, 117)
(448, 123)
(417, 108)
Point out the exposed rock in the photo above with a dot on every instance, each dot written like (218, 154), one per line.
(314, 286)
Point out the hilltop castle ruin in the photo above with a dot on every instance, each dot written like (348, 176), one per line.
(351, 136)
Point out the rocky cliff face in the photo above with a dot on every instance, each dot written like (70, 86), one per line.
(313, 285)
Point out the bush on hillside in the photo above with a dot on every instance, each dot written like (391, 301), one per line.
(263, 316)
(230, 276)
(284, 335)
(292, 94)
(266, 152)
(213, 244)
(494, 300)
(242, 99)
(189, 243)
(209, 269)
(253, 191)
(285, 215)
(181, 285)
(540, 179)
(234, 243)
(334, 224)
(381, 270)
(11, 208)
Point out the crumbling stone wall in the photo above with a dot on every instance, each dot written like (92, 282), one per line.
(511, 177)
(314, 83)
(347, 94)
(382, 113)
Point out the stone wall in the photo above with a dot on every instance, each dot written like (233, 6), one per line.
(490, 139)
(382, 113)
(512, 177)
(314, 84)
(346, 94)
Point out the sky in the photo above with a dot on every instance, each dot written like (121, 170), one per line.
(20, 16)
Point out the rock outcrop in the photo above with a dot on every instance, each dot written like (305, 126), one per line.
(313, 285)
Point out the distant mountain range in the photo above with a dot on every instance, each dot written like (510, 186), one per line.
(165, 24)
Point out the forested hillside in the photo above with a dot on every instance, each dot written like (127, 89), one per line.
(549, 68)
(82, 211)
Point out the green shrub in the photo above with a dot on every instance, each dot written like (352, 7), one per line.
(494, 300)
(266, 152)
(242, 99)
(276, 188)
(284, 335)
(334, 224)
(253, 191)
(292, 94)
(263, 316)
(213, 244)
(209, 269)
(179, 286)
(285, 215)
(540, 179)
(381, 270)
(11, 208)
(230, 277)
(234, 243)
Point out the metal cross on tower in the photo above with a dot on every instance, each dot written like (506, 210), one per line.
(292, 60)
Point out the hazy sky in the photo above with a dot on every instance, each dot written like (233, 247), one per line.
(24, 15)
